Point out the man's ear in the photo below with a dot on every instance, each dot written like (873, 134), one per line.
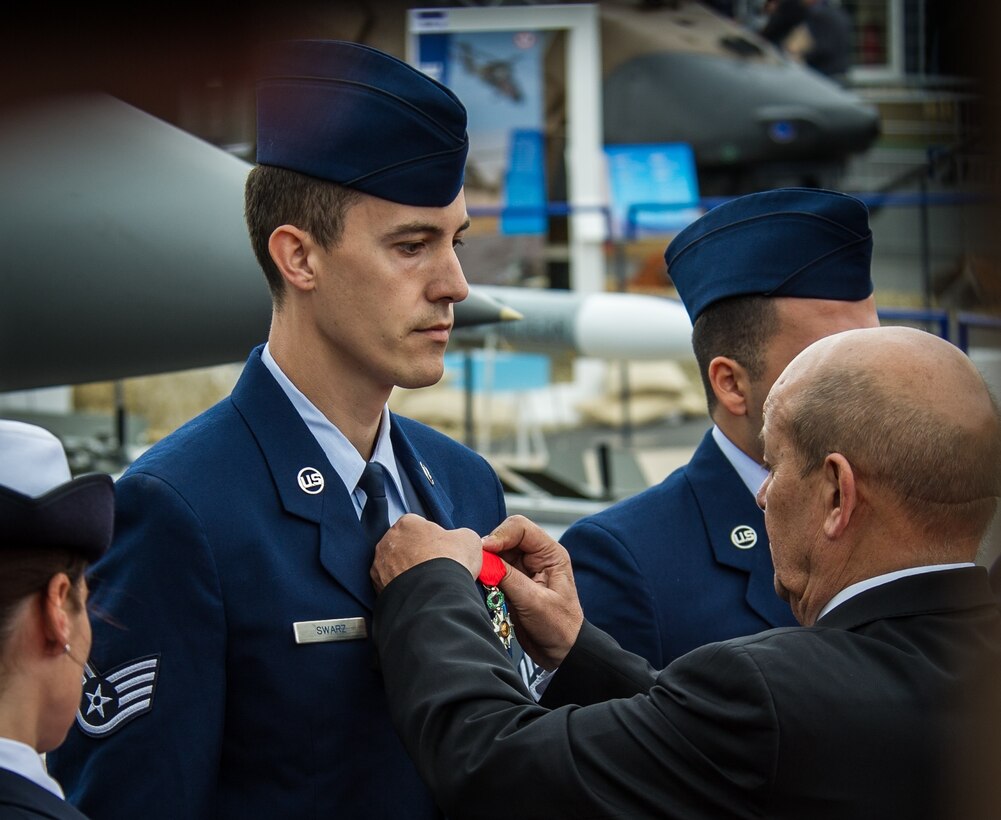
(289, 247)
(730, 384)
(840, 494)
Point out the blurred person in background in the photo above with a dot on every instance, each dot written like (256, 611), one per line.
(819, 33)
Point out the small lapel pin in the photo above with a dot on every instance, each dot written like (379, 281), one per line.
(743, 537)
(427, 473)
(310, 480)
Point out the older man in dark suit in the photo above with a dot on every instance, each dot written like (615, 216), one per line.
(881, 446)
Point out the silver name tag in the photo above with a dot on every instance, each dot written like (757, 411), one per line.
(337, 629)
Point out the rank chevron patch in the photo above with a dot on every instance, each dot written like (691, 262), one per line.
(118, 697)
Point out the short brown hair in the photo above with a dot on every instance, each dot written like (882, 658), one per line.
(277, 196)
(739, 328)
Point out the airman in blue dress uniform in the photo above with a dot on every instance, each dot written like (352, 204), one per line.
(686, 562)
(232, 672)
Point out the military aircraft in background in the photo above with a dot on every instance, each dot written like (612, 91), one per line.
(673, 71)
(496, 73)
(126, 254)
(680, 72)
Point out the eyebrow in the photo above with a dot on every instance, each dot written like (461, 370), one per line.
(411, 228)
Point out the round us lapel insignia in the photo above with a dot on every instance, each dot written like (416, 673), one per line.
(743, 537)
(310, 480)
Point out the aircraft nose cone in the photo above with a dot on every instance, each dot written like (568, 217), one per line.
(833, 128)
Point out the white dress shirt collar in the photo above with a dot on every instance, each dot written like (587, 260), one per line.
(21, 759)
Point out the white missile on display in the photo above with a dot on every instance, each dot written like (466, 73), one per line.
(478, 308)
(126, 254)
(608, 325)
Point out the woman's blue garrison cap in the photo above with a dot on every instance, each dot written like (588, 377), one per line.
(351, 114)
(804, 242)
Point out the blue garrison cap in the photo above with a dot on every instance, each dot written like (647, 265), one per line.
(804, 242)
(350, 114)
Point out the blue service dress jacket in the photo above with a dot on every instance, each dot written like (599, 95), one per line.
(680, 564)
(199, 701)
(878, 711)
(21, 799)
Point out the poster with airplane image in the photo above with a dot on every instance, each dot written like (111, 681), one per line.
(498, 77)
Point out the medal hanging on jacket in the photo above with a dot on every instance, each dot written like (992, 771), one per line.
(491, 575)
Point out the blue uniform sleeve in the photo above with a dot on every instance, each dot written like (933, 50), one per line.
(614, 592)
(159, 645)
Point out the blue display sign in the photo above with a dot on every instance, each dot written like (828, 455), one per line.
(653, 188)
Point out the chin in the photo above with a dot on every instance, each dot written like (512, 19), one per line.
(427, 378)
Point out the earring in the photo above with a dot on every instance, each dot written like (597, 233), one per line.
(66, 649)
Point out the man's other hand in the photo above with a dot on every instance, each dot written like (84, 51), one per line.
(541, 594)
(413, 540)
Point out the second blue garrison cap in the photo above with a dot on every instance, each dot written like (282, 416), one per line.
(804, 242)
(354, 115)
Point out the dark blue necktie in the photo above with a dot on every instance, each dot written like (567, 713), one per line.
(375, 514)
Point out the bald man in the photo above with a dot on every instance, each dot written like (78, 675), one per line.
(882, 448)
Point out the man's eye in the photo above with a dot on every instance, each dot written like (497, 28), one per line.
(457, 242)
(411, 248)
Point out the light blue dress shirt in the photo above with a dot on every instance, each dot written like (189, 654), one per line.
(343, 457)
(751, 473)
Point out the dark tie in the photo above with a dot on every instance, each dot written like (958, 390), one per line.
(375, 514)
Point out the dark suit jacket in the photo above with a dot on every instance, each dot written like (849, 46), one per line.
(218, 550)
(661, 572)
(858, 717)
(21, 799)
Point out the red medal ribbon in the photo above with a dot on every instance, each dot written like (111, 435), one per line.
(493, 570)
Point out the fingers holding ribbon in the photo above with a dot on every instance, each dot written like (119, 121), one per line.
(491, 574)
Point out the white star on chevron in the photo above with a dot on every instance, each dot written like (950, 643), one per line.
(97, 701)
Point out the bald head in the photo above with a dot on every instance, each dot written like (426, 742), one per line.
(910, 413)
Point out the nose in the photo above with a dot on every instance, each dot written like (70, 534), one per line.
(760, 496)
(451, 286)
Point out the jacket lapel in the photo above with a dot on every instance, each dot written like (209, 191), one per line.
(304, 479)
(344, 551)
(736, 528)
(420, 471)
